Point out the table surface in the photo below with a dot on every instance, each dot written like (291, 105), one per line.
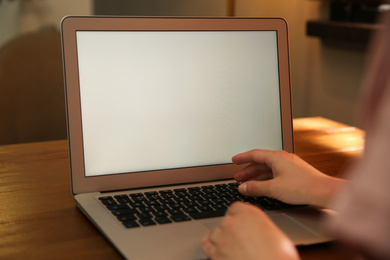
(39, 219)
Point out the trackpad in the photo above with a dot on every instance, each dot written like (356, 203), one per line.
(293, 229)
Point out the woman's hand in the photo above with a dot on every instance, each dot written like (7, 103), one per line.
(286, 177)
(247, 233)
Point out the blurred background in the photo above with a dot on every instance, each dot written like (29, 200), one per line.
(328, 46)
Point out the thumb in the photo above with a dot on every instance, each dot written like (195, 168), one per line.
(255, 188)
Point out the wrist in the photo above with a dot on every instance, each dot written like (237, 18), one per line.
(328, 191)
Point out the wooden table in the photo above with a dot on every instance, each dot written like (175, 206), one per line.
(39, 219)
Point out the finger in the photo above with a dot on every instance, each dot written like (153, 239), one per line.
(253, 156)
(252, 171)
(214, 235)
(208, 247)
(209, 243)
(235, 208)
(240, 208)
(256, 188)
(263, 177)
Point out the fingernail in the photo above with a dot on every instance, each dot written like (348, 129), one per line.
(242, 188)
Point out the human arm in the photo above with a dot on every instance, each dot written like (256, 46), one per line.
(286, 177)
(247, 233)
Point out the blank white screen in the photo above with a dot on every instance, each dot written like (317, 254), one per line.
(158, 100)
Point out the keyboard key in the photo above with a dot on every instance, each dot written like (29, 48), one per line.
(190, 204)
(219, 206)
(182, 200)
(147, 222)
(195, 197)
(165, 191)
(137, 204)
(123, 212)
(191, 210)
(218, 201)
(126, 218)
(116, 206)
(194, 192)
(266, 204)
(130, 224)
(146, 210)
(105, 198)
(163, 220)
(179, 190)
(167, 201)
(121, 196)
(224, 194)
(168, 196)
(234, 185)
(151, 193)
(123, 200)
(175, 212)
(153, 196)
(204, 202)
(181, 194)
(180, 218)
(209, 191)
(161, 207)
(144, 215)
(109, 202)
(205, 208)
(175, 206)
(208, 214)
(152, 203)
(160, 214)
(136, 194)
(139, 199)
(194, 188)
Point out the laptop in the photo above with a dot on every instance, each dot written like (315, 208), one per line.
(156, 108)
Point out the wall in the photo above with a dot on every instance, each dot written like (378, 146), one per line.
(24, 16)
(325, 80)
(57, 9)
(335, 83)
(162, 8)
(9, 20)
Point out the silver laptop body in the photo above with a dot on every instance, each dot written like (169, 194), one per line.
(159, 104)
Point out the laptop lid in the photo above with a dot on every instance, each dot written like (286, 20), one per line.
(159, 101)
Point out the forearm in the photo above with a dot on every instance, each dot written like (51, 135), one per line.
(325, 193)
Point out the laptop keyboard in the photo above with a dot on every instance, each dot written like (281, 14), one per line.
(183, 204)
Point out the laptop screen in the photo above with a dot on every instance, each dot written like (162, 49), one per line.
(153, 100)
